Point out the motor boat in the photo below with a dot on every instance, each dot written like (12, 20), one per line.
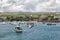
(30, 25)
(18, 29)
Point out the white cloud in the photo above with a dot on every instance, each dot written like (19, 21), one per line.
(57, 1)
(29, 5)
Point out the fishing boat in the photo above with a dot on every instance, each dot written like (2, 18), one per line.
(18, 29)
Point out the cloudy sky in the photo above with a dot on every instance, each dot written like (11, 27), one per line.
(29, 5)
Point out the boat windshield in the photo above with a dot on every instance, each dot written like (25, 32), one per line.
(18, 28)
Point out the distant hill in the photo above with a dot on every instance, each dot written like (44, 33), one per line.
(26, 13)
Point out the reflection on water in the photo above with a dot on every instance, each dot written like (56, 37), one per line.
(40, 31)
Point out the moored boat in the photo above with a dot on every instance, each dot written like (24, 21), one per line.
(30, 25)
(18, 29)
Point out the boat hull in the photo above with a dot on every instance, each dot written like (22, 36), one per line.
(18, 31)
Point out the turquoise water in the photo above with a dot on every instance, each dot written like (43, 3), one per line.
(40, 31)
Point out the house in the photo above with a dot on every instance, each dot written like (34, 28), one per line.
(3, 18)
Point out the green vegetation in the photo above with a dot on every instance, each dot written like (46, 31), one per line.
(26, 13)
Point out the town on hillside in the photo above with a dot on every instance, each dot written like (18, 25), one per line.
(37, 16)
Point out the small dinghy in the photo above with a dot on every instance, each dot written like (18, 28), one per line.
(30, 25)
(18, 29)
(3, 23)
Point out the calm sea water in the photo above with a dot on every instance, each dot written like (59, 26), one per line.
(40, 31)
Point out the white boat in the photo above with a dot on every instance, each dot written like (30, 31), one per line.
(18, 29)
(30, 25)
(3, 23)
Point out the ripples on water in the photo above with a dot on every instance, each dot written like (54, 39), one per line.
(40, 31)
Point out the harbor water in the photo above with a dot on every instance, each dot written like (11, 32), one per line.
(40, 31)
